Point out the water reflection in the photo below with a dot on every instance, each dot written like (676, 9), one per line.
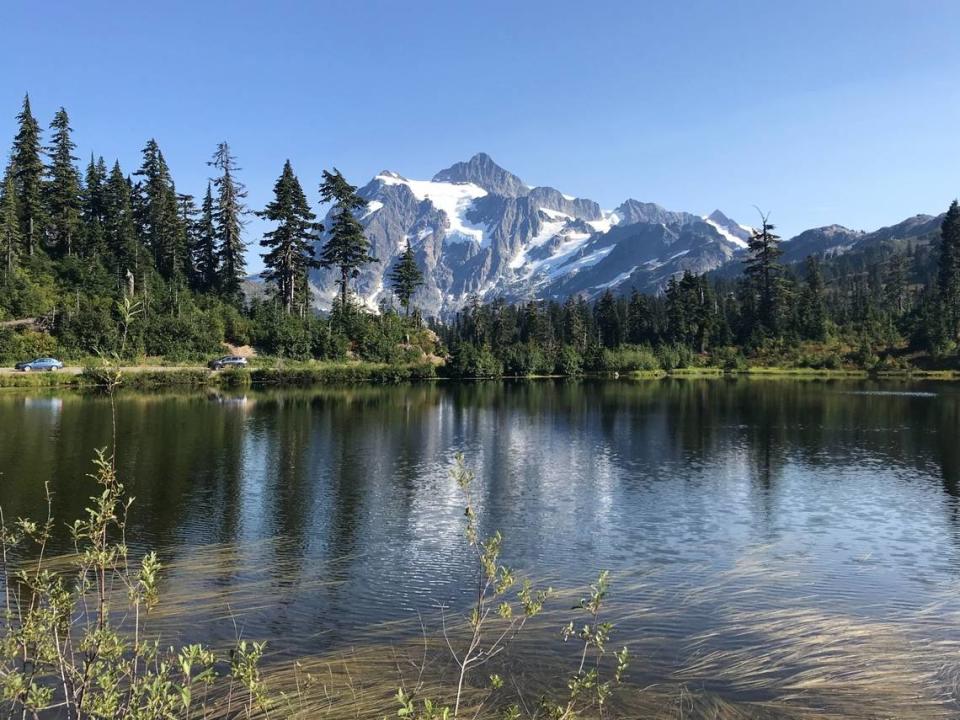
(855, 482)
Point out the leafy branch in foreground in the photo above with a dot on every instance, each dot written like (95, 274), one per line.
(494, 619)
(587, 688)
(75, 641)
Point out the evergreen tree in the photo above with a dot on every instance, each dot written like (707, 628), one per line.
(28, 178)
(895, 285)
(228, 217)
(92, 208)
(948, 279)
(158, 220)
(205, 246)
(291, 244)
(123, 247)
(10, 241)
(347, 248)
(575, 331)
(812, 309)
(406, 277)
(188, 229)
(764, 275)
(63, 188)
(609, 321)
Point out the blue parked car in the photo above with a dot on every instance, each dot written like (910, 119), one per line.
(48, 364)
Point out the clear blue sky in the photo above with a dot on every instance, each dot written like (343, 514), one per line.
(821, 112)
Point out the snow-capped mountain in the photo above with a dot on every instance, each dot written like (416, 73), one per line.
(478, 229)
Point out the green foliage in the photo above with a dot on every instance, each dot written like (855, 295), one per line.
(468, 361)
(569, 362)
(628, 359)
(76, 642)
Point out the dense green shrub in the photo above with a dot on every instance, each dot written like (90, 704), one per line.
(468, 361)
(18, 344)
(569, 362)
(628, 359)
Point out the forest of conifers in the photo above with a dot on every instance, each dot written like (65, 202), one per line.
(107, 259)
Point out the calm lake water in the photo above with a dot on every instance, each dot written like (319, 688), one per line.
(812, 524)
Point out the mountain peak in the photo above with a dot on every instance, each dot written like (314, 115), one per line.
(483, 171)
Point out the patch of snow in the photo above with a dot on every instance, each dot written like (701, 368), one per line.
(372, 301)
(580, 263)
(548, 230)
(726, 234)
(568, 197)
(556, 214)
(452, 199)
(607, 221)
(617, 280)
(570, 244)
(372, 207)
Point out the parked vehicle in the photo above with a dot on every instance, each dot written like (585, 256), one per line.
(48, 364)
(226, 362)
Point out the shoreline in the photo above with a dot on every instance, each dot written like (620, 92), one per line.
(158, 376)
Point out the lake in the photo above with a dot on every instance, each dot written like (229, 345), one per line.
(787, 546)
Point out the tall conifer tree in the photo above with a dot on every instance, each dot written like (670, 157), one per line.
(28, 178)
(948, 278)
(188, 228)
(291, 244)
(10, 240)
(406, 277)
(63, 188)
(205, 246)
(120, 228)
(764, 274)
(812, 309)
(228, 217)
(347, 248)
(157, 209)
(92, 210)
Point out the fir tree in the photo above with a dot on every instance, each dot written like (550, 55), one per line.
(347, 248)
(205, 246)
(158, 220)
(63, 188)
(188, 229)
(291, 243)
(896, 285)
(608, 319)
(120, 228)
(948, 279)
(228, 217)
(764, 275)
(406, 277)
(812, 309)
(92, 208)
(28, 178)
(10, 241)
